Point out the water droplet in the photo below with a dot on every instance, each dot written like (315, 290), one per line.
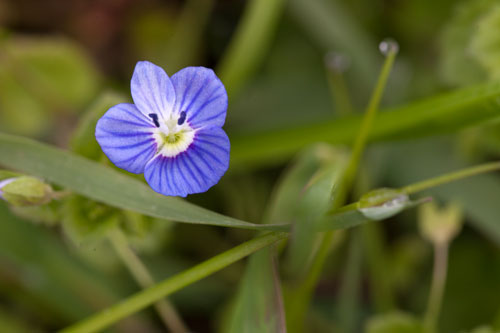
(387, 209)
(383, 203)
(388, 45)
(337, 62)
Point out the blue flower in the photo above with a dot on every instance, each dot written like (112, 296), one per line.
(173, 133)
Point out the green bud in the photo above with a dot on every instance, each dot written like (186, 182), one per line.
(440, 226)
(25, 191)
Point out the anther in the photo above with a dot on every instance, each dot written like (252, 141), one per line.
(182, 118)
(154, 117)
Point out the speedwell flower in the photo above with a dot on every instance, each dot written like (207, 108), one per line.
(173, 132)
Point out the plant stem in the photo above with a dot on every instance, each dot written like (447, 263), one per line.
(338, 87)
(433, 182)
(449, 177)
(148, 296)
(136, 267)
(306, 287)
(364, 131)
(437, 286)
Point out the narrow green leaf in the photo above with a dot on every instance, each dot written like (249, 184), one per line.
(259, 306)
(436, 115)
(311, 208)
(106, 185)
(250, 42)
(394, 322)
(148, 296)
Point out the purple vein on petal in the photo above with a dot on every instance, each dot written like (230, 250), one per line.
(213, 144)
(197, 94)
(125, 121)
(205, 104)
(209, 153)
(191, 173)
(129, 146)
(132, 157)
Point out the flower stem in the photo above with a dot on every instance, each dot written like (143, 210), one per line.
(437, 286)
(305, 288)
(136, 267)
(366, 126)
(450, 177)
(154, 293)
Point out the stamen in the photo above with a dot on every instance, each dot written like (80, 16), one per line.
(182, 118)
(154, 117)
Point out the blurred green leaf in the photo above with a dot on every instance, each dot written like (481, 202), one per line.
(59, 285)
(394, 323)
(104, 184)
(250, 43)
(485, 43)
(436, 115)
(459, 65)
(21, 112)
(312, 205)
(259, 304)
(40, 76)
(53, 69)
(83, 138)
(85, 219)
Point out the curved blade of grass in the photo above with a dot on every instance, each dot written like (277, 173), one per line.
(148, 296)
(436, 115)
(104, 184)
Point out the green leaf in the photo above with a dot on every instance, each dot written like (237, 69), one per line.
(312, 206)
(250, 42)
(39, 76)
(52, 69)
(484, 44)
(460, 66)
(436, 115)
(106, 185)
(394, 323)
(63, 279)
(83, 139)
(259, 304)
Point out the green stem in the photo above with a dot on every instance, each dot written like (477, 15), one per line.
(165, 309)
(432, 182)
(304, 290)
(148, 296)
(366, 126)
(437, 287)
(338, 87)
(450, 177)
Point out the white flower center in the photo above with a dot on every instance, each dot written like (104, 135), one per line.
(173, 135)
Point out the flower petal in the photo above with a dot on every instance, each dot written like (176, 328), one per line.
(201, 94)
(194, 170)
(126, 137)
(152, 89)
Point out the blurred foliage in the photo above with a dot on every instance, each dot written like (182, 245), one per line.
(56, 57)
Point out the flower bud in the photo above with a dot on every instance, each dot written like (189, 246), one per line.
(25, 191)
(440, 226)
